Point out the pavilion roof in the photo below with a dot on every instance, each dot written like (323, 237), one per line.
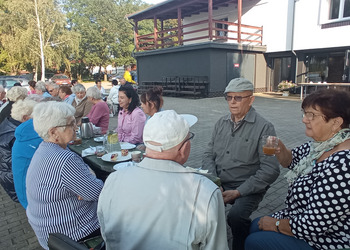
(168, 9)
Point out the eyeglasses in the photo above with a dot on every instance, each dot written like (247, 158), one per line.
(309, 115)
(51, 90)
(237, 98)
(72, 124)
(188, 139)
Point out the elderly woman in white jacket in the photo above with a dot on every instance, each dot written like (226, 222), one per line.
(62, 193)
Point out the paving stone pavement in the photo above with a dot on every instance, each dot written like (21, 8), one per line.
(284, 113)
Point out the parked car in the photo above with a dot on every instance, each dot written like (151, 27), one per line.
(60, 79)
(48, 76)
(8, 82)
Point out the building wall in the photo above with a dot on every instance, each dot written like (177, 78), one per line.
(308, 32)
(274, 15)
(216, 61)
(260, 74)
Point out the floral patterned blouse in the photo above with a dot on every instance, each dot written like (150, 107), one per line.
(318, 203)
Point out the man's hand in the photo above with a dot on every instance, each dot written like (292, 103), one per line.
(229, 196)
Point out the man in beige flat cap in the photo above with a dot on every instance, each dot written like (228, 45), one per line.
(234, 154)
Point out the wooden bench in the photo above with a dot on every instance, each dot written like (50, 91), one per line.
(196, 86)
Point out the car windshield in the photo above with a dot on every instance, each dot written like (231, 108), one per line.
(10, 83)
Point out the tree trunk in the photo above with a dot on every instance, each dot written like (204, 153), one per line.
(41, 42)
(35, 77)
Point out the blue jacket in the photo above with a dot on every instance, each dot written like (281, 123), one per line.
(27, 141)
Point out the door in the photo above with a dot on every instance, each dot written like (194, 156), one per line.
(335, 68)
(240, 65)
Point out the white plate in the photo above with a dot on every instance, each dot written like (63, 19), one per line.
(123, 165)
(107, 157)
(127, 145)
(98, 139)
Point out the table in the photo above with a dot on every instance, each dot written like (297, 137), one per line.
(306, 85)
(101, 168)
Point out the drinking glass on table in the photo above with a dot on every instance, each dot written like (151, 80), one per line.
(100, 151)
(111, 142)
(270, 143)
(136, 156)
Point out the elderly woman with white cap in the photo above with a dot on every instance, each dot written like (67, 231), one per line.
(62, 193)
(21, 111)
(167, 206)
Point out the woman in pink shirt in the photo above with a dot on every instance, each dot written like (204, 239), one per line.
(131, 118)
(99, 113)
(31, 87)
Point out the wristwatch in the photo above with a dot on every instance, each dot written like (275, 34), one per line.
(277, 226)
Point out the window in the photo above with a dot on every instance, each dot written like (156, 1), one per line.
(317, 68)
(339, 9)
(224, 27)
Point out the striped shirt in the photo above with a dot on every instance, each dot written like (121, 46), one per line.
(55, 179)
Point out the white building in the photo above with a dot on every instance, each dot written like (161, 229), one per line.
(266, 41)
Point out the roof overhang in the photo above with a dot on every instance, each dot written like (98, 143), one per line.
(169, 9)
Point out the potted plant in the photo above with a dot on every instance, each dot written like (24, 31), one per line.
(285, 86)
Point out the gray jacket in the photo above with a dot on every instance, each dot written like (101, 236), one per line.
(236, 157)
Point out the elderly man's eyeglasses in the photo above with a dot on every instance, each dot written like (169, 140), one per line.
(237, 98)
(310, 116)
(188, 139)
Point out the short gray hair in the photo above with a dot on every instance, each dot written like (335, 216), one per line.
(17, 93)
(47, 115)
(94, 92)
(22, 108)
(52, 84)
(78, 88)
(40, 85)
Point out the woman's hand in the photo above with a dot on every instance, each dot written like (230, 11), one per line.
(283, 154)
(267, 223)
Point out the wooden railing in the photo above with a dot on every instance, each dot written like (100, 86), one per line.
(222, 31)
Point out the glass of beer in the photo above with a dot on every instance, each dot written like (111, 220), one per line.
(270, 143)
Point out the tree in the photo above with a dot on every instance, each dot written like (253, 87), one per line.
(106, 34)
(22, 21)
